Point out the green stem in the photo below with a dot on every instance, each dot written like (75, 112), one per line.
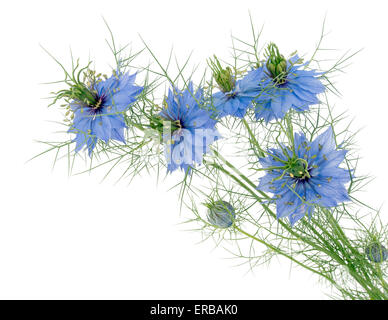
(248, 185)
(365, 281)
(279, 251)
(254, 141)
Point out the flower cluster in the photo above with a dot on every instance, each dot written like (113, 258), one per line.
(273, 87)
(305, 171)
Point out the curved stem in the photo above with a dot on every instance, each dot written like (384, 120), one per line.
(249, 186)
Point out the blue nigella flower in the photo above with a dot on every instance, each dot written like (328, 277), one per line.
(188, 128)
(98, 109)
(221, 214)
(305, 175)
(376, 252)
(286, 86)
(235, 97)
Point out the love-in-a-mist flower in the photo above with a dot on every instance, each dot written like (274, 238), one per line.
(98, 108)
(221, 214)
(234, 97)
(287, 85)
(188, 128)
(304, 175)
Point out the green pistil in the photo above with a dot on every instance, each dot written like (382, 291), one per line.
(223, 77)
(298, 168)
(176, 125)
(276, 64)
(158, 123)
(81, 93)
(80, 90)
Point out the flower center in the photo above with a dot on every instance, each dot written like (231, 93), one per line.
(97, 106)
(178, 124)
(223, 77)
(298, 168)
(161, 124)
(276, 64)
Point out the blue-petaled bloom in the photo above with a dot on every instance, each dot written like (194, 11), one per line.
(286, 86)
(306, 175)
(100, 115)
(189, 128)
(236, 101)
(221, 214)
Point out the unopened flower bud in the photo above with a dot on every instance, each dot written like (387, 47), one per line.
(376, 252)
(221, 214)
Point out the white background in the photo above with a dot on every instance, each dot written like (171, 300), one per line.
(77, 238)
